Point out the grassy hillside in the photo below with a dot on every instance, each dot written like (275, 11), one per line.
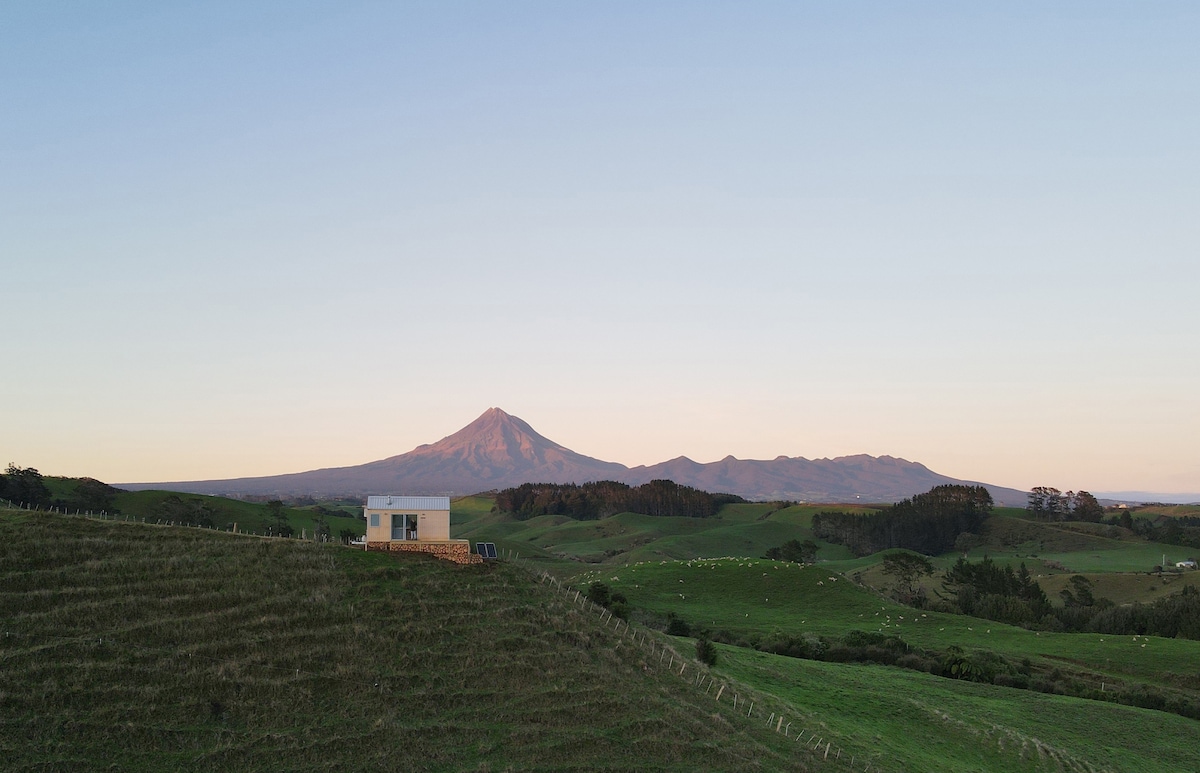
(217, 512)
(626, 538)
(1114, 559)
(154, 647)
(750, 598)
(1076, 547)
(166, 648)
(940, 725)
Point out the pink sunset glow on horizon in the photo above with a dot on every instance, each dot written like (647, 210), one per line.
(252, 241)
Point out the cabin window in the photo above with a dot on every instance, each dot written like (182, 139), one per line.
(374, 520)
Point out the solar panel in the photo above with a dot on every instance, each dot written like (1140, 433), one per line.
(481, 549)
(491, 549)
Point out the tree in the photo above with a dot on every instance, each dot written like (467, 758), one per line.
(706, 653)
(599, 594)
(1087, 508)
(25, 485)
(1046, 503)
(1078, 593)
(93, 495)
(282, 526)
(908, 568)
(966, 542)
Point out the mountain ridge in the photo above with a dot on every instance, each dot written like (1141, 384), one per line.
(498, 450)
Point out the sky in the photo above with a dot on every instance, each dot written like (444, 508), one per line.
(249, 238)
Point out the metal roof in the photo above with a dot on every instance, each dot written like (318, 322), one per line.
(390, 502)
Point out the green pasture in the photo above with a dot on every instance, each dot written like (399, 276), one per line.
(1076, 547)
(221, 513)
(142, 647)
(1172, 511)
(250, 517)
(626, 538)
(887, 715)
(1125, 588)
(465, 510)
(138, 647)
(748, 597)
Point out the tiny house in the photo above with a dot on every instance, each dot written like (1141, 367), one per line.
(408, 519)
(414, 525)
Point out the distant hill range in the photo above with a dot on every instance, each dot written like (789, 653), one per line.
(498, 450)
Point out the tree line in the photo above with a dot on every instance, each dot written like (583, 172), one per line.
(25, 485)
(1047, 503)
(990, 591)
(588, 501)
(928, 523)
(987, 590)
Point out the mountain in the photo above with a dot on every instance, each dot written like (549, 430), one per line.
(845, 478)
(498, 450)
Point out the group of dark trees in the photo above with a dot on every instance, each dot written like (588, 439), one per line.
(795, 551)
(603, 498)
(994, 592)
(1175, 530)
(928, 523)
(24, 486)
(603, 596)
(1050, 504)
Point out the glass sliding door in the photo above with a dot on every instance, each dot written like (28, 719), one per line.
(404, 527)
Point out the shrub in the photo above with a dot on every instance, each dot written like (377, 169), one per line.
(598, 593)
(706, 652)
(677, 626)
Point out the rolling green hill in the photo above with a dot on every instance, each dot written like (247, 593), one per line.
(748, 597)
(1115, 559)
(932, 723)
(147, 647)
(935, 724)
(625, 538)
(184, 648)
(156, 506)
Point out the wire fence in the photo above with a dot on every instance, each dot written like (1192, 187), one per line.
(658, 653)
(232, 528)
(701, 678)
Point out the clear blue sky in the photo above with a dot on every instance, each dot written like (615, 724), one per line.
(251, 238)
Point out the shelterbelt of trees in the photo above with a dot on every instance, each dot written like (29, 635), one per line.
(929, 523)
(588, 501)
(25, 486)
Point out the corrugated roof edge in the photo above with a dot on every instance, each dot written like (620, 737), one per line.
(394, 502)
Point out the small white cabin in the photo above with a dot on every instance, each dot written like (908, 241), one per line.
(400, 524)
(407, 519)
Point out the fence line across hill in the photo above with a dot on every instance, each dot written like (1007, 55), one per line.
(644, 638)
(668, 657)
(104, 515)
